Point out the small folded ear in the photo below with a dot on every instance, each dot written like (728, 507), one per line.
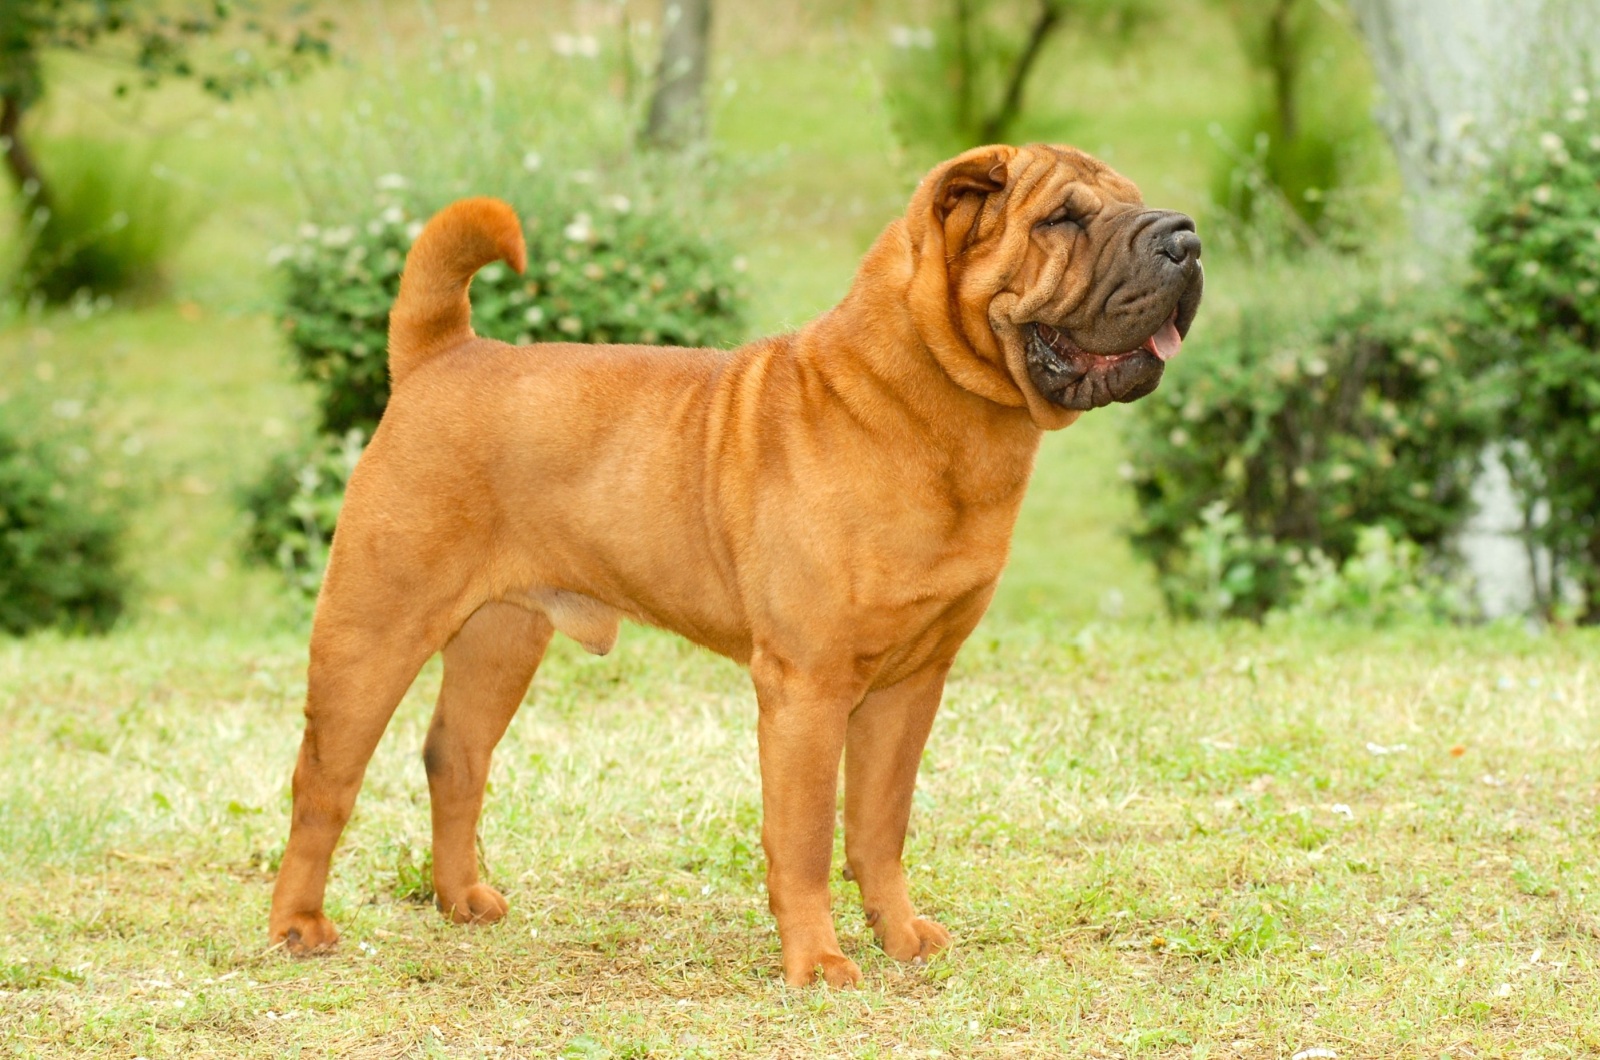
(979, 172)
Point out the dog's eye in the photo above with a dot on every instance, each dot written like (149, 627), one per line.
(1062, 216)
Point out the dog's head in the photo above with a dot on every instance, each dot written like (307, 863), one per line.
(1040, 279)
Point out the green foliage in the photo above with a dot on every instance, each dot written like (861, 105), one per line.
(1275, 436)
(98, 223)
(1290, 171)
(600, 270)
(1385, 582)
(962, 80)
(1536, 287)
(294, 507)
(159, 40)
(60, 562)
(115, 221)
(413, 871)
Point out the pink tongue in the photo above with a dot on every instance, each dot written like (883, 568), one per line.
(1166, 342)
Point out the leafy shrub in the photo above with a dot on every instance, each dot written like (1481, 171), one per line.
(59, 546)
(1536, 286)
(1279, 436)
(605, 272)
(113, 225)
(611, 272)
(296, 504)
(1386, 581)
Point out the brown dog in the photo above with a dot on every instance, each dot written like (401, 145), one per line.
(831, 508)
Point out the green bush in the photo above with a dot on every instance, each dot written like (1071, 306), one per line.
(600, 269)
(59, 543)
(1537, 345)
(113, 226)
(295, 505)
(1276, 436)
(607, 271)
(1387, 581)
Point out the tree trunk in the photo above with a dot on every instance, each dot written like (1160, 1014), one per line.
(678, 107)
(1283, 61)
(19, 160)
(996, 126)
(1457, 75)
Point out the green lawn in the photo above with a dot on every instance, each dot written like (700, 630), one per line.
(1151, 840)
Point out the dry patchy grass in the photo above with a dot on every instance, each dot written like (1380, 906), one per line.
(1150, 842)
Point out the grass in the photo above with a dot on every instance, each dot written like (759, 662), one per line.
(1150, 840)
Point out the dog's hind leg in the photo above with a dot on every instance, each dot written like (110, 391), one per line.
(365, 652)
(487, 668)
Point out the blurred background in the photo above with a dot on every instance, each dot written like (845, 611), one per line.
(1388, 411)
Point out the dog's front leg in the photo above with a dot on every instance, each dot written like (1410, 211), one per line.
(801, 731)
(883, 748)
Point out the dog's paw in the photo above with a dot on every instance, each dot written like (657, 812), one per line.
(478, 904)
(835, 969)
(305, 934)
(916, 940)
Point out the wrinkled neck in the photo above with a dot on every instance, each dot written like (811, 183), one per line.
(873, 357)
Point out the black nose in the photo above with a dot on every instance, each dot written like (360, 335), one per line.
(1175, 238)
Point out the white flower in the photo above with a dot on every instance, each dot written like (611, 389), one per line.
(532, 160)
(1552, 143)
(338, 237)
(619, 203)
(394, 215)
(534, 315)
(1541, 195)
(906, 37)
(308, 231)
(1530, 268)
(1580, 96)
(279, 254)
(391, 182)
(413, 230)
(580, 45)
(581, 229)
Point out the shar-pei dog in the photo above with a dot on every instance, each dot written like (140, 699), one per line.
(831, 508)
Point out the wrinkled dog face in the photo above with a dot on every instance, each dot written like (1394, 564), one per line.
(1088, 292)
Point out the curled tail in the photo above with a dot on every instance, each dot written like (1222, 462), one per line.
(432, 313)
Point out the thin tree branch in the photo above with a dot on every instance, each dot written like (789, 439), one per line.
(19, 160)
(999, 123)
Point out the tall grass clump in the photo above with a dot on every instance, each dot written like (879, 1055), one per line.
(621, 248)
(113, 224)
